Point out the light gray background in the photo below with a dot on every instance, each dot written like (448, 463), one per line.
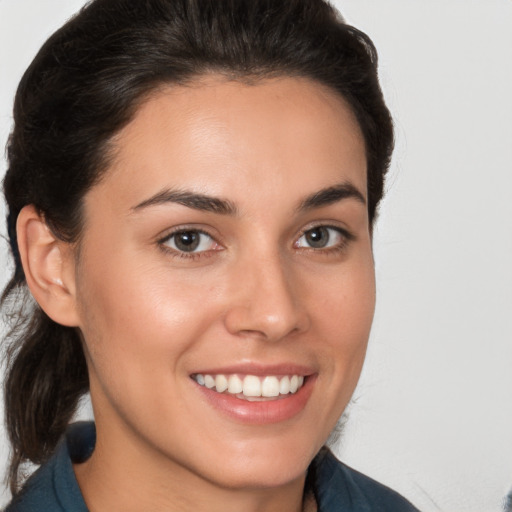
(432, 416)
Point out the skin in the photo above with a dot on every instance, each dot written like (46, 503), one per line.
(257, 294)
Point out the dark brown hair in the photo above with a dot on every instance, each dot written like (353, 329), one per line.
(84, 85)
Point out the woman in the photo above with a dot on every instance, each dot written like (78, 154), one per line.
(191, 188)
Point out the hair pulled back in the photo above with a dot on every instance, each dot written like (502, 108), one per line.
(84, 85)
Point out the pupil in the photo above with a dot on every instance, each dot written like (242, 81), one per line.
(187, 240)
(317, 237)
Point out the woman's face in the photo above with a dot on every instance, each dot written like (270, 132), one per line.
(227, 245)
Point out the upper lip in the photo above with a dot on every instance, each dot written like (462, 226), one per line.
(259, 369)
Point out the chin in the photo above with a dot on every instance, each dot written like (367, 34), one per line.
(267, 464)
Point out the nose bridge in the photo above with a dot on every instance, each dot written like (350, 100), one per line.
(265, 304)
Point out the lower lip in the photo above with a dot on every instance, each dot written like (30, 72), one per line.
(261, 413)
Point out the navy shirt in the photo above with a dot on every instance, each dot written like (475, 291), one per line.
(337, 488)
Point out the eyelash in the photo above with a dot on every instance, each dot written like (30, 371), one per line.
(346, 238)
(176, 253)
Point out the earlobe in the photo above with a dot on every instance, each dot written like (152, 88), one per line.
(48, 264)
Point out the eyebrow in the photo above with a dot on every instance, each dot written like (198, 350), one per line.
(331, 195)
(191, 200)
(203, 202)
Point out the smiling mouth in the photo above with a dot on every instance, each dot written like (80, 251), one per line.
(251, 387)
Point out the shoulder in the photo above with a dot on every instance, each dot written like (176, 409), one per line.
(53, 487)
(338, 487)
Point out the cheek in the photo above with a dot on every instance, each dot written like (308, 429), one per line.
(343, 314)
(139, 329)
(134, 318)
(345, 305)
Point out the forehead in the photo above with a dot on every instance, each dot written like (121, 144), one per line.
(286, 136)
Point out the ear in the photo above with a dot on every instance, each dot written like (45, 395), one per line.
(49, 266)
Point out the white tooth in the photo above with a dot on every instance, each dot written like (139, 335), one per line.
(235, 384)
(200, 379)
(209, 381)
(294, 383)
(221, 383)
(284, 386)
(251, 386)
(270, 386)
(301, 380)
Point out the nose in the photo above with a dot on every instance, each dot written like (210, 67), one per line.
(267, 302)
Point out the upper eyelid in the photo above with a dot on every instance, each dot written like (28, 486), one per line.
(167, 234)
(163, 243)
(345, 236)
(174, 233)
(326, 224)
(218, 239)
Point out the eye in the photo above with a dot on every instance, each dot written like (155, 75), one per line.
(190, 241)
(322, 237)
